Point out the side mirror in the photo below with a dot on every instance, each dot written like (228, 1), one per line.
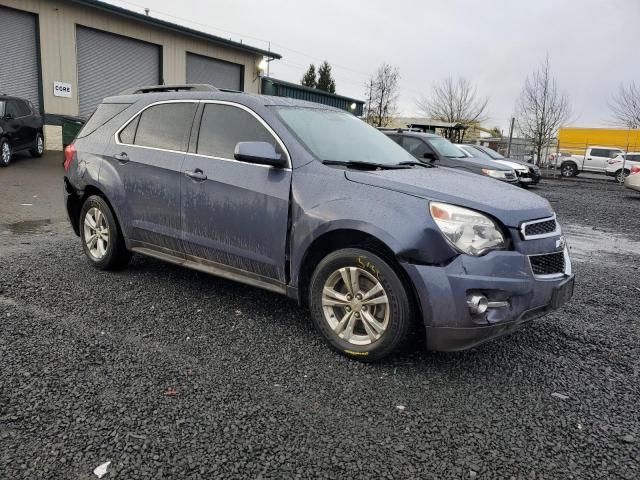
(8, 116)
(261, 153)
(430, 156)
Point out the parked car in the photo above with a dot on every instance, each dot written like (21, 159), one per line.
(427, 147)
(309, 201)
(595, 159)
(21, 128)
(527, 173)
(621, 165)
(632, 181)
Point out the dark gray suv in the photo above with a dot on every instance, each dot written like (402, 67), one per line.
(311, 202)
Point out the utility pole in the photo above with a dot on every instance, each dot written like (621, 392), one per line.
(513, 121)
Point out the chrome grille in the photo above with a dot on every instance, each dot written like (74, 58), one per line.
(546, 227)
(549, 264)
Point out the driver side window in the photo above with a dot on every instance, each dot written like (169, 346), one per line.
(415, 147)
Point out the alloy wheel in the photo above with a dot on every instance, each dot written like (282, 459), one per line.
(6, 153)
(621, 176)
(567, 171)
(96, 233)
(355, 306)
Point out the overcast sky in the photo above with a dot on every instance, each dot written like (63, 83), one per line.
(593, 44)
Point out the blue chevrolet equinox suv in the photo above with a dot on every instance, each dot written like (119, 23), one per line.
(311, 202)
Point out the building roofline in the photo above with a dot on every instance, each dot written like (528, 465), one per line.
(311, 90)
(156, 22)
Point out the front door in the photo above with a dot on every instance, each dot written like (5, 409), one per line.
(14, 125)
(147, 158)
(235, 214)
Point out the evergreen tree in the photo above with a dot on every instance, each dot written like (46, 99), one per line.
(309, 78)
(325, 80)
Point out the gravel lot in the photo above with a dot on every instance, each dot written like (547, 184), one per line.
(169, 373)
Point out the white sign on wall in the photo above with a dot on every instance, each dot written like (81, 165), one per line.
(61, 89)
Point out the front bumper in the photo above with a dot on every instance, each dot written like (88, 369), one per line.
(502, 276)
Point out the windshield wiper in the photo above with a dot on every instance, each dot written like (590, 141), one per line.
(363, 165)
(425, 165)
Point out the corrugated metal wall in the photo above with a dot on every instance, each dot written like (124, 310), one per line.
(19, 72)
(220, 74)
(109, 64)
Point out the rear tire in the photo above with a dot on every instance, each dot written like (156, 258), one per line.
(39, 148)
(360, 305)
(5, 153)
(101, 237)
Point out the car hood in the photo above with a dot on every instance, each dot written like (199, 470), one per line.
(482, 163)
(514, 165)
(509, 204)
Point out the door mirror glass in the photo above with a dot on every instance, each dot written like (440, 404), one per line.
(262, 153)
(430, 156)
(8, 116)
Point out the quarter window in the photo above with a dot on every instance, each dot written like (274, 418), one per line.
(223, 126)
(166, 126)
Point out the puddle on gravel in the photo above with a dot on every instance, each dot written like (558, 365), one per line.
(26, 226)
(585, 243)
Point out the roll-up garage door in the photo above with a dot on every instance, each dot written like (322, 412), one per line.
(19, 71)
(215, 72)
(109, 64)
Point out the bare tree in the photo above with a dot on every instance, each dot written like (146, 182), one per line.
(382, 96)
(625, 105)
(454, 101)
(542, 108)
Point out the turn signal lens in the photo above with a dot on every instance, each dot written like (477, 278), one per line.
(635, 170)
(69, 152)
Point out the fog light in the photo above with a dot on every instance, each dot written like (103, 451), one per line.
(478, 304)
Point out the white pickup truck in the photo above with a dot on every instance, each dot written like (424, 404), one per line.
(595, 159)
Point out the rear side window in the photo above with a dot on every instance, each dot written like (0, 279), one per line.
(604, 152)
(166, 126)
(223, 126)
(12, 108)
(104, 113)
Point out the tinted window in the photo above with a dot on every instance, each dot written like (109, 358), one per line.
(128, 134)
(23, 109)
(604, 152)
(166, 126)
(12, 109)
(415, 147)
(104, 113)
(223, 126)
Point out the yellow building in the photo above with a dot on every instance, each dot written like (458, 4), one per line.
(576, 140)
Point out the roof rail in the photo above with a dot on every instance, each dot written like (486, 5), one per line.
(193, 87)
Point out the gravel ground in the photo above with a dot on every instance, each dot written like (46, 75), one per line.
(169, 373)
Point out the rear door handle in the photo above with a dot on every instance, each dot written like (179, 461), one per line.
(197, 175)
(121, 157)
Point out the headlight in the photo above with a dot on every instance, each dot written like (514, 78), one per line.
(501, 174)
(468, 231)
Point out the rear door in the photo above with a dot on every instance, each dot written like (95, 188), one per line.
(235, 214)
(147, 158)
(27, 125)
(597, 158)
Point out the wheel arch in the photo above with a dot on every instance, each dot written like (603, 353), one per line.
(342, 238)
(78, 199)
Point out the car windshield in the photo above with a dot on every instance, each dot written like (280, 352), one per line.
(340, 137)
(477, 153)
(445, 148)
(491, 153)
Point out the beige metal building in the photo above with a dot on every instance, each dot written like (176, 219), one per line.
(66, 55)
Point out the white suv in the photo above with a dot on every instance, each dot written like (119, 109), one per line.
(619, 168)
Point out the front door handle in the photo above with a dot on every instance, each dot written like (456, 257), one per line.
(121, 157)
(197, 175)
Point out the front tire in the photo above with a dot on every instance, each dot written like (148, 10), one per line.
(360, 305)
(102, 239)
(621, 175)
(569, 170)
(5, 153)
(38, 150)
